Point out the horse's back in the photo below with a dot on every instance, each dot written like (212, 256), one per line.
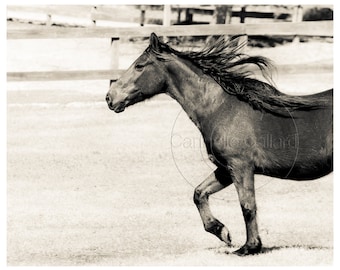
(325, 96)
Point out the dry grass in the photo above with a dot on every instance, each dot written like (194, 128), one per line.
(89, 187)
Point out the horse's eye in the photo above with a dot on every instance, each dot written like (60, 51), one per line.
(139, 67)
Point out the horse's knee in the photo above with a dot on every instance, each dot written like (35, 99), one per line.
(249, 213)
(199, 195)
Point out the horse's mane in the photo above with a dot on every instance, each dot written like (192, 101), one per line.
(229, 67)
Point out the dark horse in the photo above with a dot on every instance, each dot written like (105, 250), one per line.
(248, 126)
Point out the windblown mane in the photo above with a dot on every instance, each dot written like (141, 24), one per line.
(229, 67)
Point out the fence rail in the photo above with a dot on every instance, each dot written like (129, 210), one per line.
(321, 28)
(114, 73)
(64, 75)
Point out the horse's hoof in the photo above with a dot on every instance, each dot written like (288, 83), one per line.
(225, 236)
(248, 250)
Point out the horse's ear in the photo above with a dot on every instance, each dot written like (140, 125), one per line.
(154, 42)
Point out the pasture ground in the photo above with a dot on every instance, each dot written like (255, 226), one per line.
(86, 186)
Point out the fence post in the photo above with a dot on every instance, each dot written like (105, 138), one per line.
(243, 14)
(229, 14)
(48, 20)
(167, 15)
(297, 17)
(114, 65)
(188, 16)
(243, 40)
(142, 15)
(166, 19)
(93, 18)
(179, 10)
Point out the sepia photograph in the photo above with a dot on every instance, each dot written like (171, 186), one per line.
(169, 134)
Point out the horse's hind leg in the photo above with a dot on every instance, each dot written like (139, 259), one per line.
(243, 178)
(215, 182)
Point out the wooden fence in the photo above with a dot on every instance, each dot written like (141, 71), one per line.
(172, 14)
(320, 28)
(165, 15)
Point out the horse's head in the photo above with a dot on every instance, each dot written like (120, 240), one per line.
(144, 79)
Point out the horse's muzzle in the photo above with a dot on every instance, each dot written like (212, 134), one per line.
(115, 106)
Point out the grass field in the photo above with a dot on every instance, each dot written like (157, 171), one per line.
(86, 186)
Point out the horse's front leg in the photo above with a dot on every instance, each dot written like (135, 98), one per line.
(218, 180)
(243, 178)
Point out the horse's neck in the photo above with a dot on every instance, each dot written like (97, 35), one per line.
(197, 93)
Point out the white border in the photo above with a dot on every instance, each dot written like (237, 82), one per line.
(3, 107)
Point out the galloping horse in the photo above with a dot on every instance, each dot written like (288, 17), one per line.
(236, 114)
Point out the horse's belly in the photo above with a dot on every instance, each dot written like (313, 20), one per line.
(308, 168)
(301, 151)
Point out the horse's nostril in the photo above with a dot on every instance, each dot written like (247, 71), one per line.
(108, 99)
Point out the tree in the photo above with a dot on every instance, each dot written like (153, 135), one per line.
(222, 14)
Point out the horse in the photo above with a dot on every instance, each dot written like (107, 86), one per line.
(248, 126)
